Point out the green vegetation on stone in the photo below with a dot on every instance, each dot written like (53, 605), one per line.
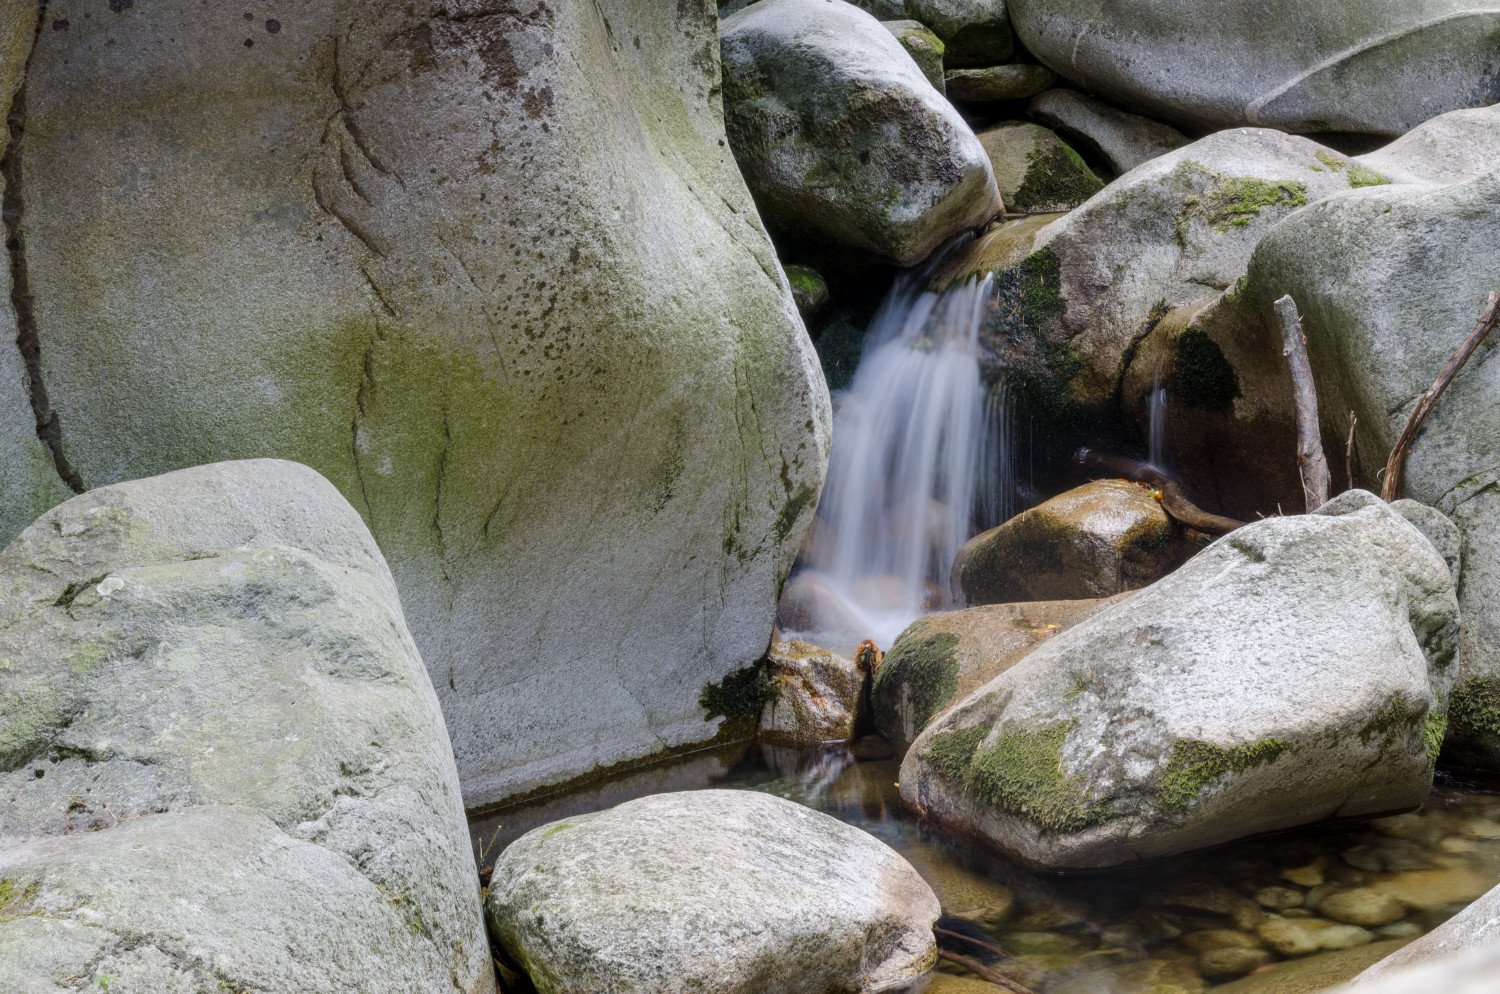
(1195, 765)
(927, 671)
(1236, 200)
(1360, 176)
(742, 694)
(1057, 177)
(1397, 719)
(1474, 711)
(1203, 377)
(839, 345)
(1021, 774)
(15, 898)
(1433, 731)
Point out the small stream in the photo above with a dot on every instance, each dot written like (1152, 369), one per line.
(1137, 931)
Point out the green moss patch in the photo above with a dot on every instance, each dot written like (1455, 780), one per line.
(1397, 720)
(1474, 711)
(1056, 177)
(1020, 774)
(1203, 377)
(741, 695)
(1196, 765)
(925, 669)
(1433, 731)
(1238, 199)
(1360, 176)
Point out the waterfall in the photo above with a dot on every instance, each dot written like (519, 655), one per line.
(921, 456)
(1157, 454)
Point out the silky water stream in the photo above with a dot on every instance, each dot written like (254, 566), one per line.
(922, 459)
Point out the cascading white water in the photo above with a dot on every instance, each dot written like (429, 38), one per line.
(1157, 452)
(913, 438)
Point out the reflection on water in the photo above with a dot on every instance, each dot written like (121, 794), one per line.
(1301, 911)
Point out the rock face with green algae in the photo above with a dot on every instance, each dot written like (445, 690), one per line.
(841, 137)
(221, 742)
(1381, 67)
(1097, 540)
(942, 658)
(1389, 281)
(924, 47)
(1035, 170)
(710, 892)
(1281, 677)
(1176, 230)
(491, 271)
(975, 32)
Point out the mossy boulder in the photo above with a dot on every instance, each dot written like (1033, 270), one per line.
(1097, 540)
(1298, 669)
(1390, 280)
(809, 290)
(975, 32)
(218, 737)
(1035, 170)
(924, 47)
(710, 892)
(1380, 68)
(995, 83)
(1122, 139)
(840, 136)
(496, 276)
(942, 658)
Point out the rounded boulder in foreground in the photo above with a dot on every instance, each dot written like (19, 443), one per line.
(710, 892)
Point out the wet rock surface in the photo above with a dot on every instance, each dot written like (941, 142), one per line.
(820, 162)
(1097, 540)
(1296, 670)
(816, 695)
(710, 891)
(223, 750)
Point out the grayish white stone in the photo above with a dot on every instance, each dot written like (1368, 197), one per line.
(1122, 139)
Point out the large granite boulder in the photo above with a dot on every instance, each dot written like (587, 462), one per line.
(222, 744)
(1378, 68)
(1389, 281)
(1096, 540)
(710, 892)
(1296, 670)
(491, 271)
(1122, 139)
(841, 137)
(942, 658)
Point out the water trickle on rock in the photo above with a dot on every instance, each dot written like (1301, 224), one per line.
(921, 457)
(1157, 452)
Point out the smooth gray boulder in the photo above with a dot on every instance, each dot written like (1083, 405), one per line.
(1296, 670)
(1450, 148)
(222, 744)
(975, 32)
(1381, 67)
(1475, 927)
(1122, 139)
(992, 83)
(1176, 230)
(840, 136)
(1389, 281)
(710, 892)
(496, 276)
(1469, 972)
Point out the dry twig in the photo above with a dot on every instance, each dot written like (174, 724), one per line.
(1173, 500)
(984, 973)
(1349, 454)
(970, 939)
(1486, 324)
(1312, 465)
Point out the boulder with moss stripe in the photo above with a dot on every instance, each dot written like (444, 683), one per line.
(1297, 670)
(1037, 171)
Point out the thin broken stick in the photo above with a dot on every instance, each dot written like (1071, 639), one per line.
(984, 973)
(1173, 500)
(1312, 465)
(969, 938)
(1349, 454)
(1487, 321)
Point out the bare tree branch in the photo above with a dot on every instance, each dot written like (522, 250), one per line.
(1312, 465)
(1393, 465)
(1173, 500)
(1349, 454)
(984, 973)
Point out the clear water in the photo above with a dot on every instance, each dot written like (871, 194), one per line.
(1138, 931)
(920, 456)
(1158, 455)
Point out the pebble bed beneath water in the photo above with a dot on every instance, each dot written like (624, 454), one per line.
(1293, 913)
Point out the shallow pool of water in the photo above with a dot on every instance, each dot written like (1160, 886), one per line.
(1256, 917)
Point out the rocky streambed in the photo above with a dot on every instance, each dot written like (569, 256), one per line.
(1298, 911)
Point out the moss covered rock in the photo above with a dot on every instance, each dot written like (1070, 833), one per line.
(1096, 540)
(1293, 671)
(1389, 281)
(942, 658)
(814, 696)
(840, 136)
(218, 735)
(1382, 67)
(1035, 170)
(976, 32)
(995, 83)
(809, 290)
(710, 892)
(495, 275)
(924, 47)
